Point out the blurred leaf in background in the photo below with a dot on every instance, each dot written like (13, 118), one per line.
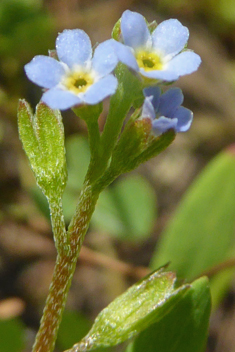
(12, 333)
(127, 209)
(219, 14)
(201, 233)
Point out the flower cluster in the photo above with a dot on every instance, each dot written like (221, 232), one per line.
(83, 77)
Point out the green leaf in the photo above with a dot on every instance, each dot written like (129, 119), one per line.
(201, 233)
(42, 136)
(127, 209)
(140, 306)
(184, 328)
(12, 335)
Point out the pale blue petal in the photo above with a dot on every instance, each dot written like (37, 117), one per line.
(100, 90)
(44, 71)
(60, 99)
(73, 47)
(125, 55)
(170, 37)
(170, 102)
(104, 59)
(134, 30)
(148, 109)
(163, 75)
(155, 92)
(163, 124)
(184, 63)
(185, 118)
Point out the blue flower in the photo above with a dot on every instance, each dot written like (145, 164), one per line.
(165, 111)
(159, 55)
(78, 78)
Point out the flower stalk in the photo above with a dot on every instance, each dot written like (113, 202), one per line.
(64, 270)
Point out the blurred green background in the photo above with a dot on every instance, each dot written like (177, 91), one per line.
(132, 216)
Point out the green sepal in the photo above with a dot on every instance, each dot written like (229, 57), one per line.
(116, 32)
(42, 136)
(140, 306)
(152, 26)
(133, 141)
(137, 146)
(155, 147)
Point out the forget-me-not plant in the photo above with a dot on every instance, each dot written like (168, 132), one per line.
(130, 69)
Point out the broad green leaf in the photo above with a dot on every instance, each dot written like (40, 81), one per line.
(221, 281)
(12, 335)
(127, 209)
(42, 136)
(201, 233)
(140, 306)
(184, 328)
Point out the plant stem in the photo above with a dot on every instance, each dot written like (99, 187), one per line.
(64, 270)
(55, 303)
(94, 138)
(58, 226)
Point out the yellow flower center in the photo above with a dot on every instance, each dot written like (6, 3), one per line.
(148, 61)
(78, 82)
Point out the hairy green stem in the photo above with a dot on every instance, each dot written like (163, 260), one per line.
(64, 270)
(58, 226)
